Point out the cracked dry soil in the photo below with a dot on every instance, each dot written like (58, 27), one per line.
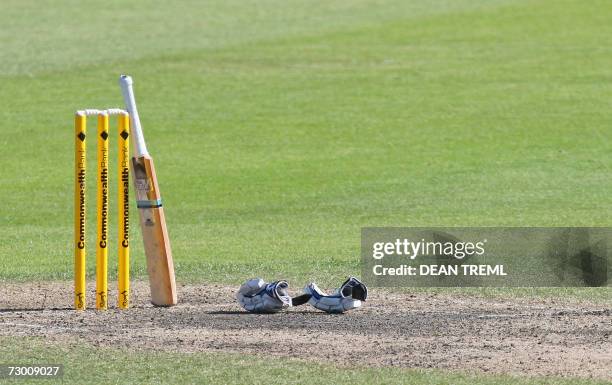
(566, 337)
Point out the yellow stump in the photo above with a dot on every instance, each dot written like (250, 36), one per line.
(123, 210)
(80, 163)
(102, 210)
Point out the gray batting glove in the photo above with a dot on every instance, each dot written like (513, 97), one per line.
(347, 297)
(257, 296)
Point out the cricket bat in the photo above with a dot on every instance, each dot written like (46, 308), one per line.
(160, 266)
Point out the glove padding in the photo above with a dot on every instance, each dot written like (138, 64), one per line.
(257, 296)
(347, 297)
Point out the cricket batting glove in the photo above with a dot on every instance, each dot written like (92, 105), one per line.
(346, 297)
(257, 296)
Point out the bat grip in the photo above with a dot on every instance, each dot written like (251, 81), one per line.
(140, 148)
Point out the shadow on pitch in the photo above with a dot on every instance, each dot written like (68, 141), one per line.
(239, 312)
(31, 309)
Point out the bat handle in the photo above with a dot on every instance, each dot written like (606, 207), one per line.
(140, 148)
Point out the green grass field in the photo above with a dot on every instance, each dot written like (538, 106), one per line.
(279, 129)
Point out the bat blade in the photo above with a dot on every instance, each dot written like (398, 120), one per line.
(160, 265)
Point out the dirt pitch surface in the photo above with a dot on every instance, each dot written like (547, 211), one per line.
(523, 337)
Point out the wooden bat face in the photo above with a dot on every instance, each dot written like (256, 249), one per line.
(160, 265)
